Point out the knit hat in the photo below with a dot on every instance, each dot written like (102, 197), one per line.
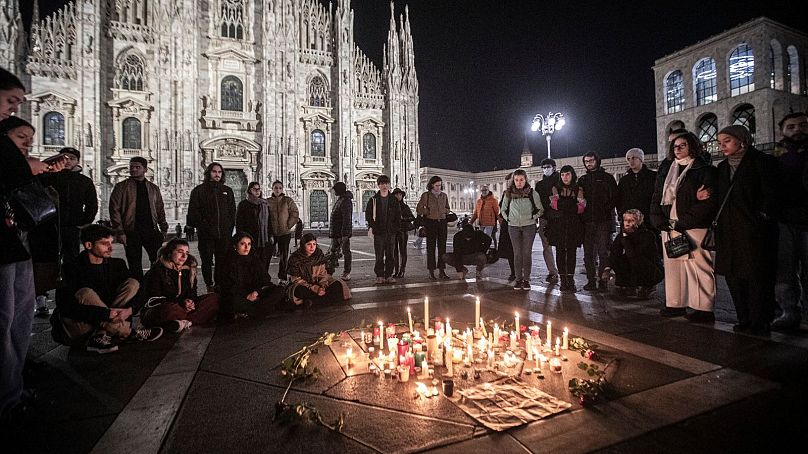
(340, 188)
(739, 132)
(636, 152)
(72, 151)
(432, 181)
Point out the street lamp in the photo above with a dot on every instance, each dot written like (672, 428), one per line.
(548, 126)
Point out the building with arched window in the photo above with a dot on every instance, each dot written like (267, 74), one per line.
(751, 75)
(274, 90)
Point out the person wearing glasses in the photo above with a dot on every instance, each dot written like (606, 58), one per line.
(252, 216)
(545, 187)
(600, 192)
(637, 186)
(677, 208)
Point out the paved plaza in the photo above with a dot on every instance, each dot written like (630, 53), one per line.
(676, 386)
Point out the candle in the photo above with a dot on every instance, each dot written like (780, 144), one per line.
(424, 369)
(403, 373)
(536, 355)
(449, 360)
(549, 333)
(482, 327)
(426, 311)
(457, 355)
(555, 365)
(558, 346)
(448, 327)
(391, 344)
(529, 349)
(518, 333)
(381, 336)
(477, 312)
(362, 336)
(470, 352)
(513, 342)
(409, 317)
(497, 334)
(565, 339)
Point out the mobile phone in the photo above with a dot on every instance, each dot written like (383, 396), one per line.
(54, 159)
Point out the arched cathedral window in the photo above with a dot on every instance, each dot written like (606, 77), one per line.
(741, 70)
(130, 74)
(369, 146)
(232, 19)
(232, 94)
(54, 128)
(318, 143)
(674, 92)
(131, 134)
(318, 95)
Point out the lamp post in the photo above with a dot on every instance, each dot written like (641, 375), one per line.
(548, 126)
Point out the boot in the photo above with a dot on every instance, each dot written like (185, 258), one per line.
(432, 275)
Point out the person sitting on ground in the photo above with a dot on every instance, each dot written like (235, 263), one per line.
(99, 296)
(247, 281)
(170, 286)
(308, 279)
(470, 246)
(633, 259)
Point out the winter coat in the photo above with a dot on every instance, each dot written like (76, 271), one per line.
(123, 201)
(104, 279)
(245, 274)
(545, 187)
(310, 272)
(470, 241)
(634, 191)
(247, 220)
(341, 221)
(212, 210)
(692, 213)
(746, 234)
(518, 210)
(486, 211)
(637, 253)
(567, 230)
(383, 223)
(174, 284)
(407, 218)
(78, 201)
(600, 192)
(16, 173)
(504, 246)
(283, 214)
(792, 161)
(433, 207)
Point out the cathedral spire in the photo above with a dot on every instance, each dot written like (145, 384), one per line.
(393, 56)
(35, 18)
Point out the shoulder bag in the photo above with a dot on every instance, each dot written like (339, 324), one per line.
(31, 205)
(708, 243)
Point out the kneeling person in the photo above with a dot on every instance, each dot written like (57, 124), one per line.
(634, 258)
(470, 246)
(99, 296)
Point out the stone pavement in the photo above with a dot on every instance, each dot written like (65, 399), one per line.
(676, 386)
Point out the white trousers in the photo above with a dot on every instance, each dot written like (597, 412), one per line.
(690, 279)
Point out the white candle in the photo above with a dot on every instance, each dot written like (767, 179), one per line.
(513, 342)
(536, 355)
(424, 369)
(362, 336)
(449, 360)
(565, 339)
(518, 333)
(482, 327)
(349, 356)
(409, 317)
(529, 348)
(558, 346)
(447, 329)
(496, 335)
(381, 337)
(491, 359)
(477, 312)
(549, 332)
(426, 311)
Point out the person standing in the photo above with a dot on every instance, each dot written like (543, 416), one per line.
(503, 243)
(178, 230)
(212, 211)
(340, 228)
(747, 231)
(433, 206)
(565, 228)
(600, 192)
(383, 214)
(636, 187)
(486, 211)
(253, 217)
(522, 207)
(137, 215)
(792, 156)
(544, 187)
(284, 217)
(402, 236)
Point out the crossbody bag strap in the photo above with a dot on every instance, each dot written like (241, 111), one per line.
(724, 202)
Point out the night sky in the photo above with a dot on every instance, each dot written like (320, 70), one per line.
(486, 68)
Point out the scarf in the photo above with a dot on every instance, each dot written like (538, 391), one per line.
(672, 181)
(734, 161)
(436, 192)
(516, 193)
(263, 219)
(301, 265)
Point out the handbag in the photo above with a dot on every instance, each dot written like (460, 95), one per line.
(31, 205)
(677, 246)
(708, 243)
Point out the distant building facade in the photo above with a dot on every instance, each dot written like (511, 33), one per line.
(751, 75)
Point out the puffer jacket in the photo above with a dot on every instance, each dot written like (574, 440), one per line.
(486, 211)
(341, 222)
(212, 210)
(283, 214)
(518, 211)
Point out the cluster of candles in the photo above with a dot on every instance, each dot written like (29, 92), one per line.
(411, 355)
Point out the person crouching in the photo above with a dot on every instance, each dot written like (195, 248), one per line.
(634, 259)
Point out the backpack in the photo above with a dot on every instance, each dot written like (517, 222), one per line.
(535, 210)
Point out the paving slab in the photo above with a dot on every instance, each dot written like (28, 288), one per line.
(496, 442)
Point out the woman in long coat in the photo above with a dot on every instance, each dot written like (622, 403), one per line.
(504, 246)
(746, 233)
(565, 228)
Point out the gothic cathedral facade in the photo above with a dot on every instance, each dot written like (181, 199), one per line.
(271, 89)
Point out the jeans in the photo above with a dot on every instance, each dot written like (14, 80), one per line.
(400, 253)
(522, 240)
(547, 250)
(489, 230)
(282, 243)
(17, 301)
(597, 242)
(792, 258)
(135, 243)
(212, 251)
(384, 245)
(436, 233)
(344, 245)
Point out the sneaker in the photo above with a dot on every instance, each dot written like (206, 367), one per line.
(517, 284)
(551, 279)
(101, 344)
(379, 280)
(146, 334)
(42, 311)
(525, 285)
(346, 277)
(179, 326)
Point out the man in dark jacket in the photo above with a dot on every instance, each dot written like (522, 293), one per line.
(470, 246)
(340, 228)
(600, 192)
(545, 187)
(636, 187)
(633, 258)
(383, 214)
(99, 296)
(212, 212)
(407, 224)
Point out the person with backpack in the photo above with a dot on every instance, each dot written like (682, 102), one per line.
(522, 207)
